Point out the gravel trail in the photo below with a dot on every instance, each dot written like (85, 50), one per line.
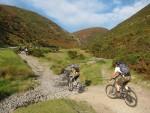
(47, 89)
(95, 95)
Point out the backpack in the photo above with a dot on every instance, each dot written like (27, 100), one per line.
(124, 69)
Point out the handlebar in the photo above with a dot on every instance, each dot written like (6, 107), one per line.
(114, 78)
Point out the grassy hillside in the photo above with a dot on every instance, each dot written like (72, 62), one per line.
(19, 26)
(57, 106)
(86, 36)
(129, 41)
(15, 75)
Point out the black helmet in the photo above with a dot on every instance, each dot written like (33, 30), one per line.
(118, 63)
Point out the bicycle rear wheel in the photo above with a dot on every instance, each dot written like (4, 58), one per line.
(131, 98)
(111, 91)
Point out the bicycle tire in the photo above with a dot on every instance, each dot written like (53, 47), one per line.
(81, 88)
(70, 85)
(113, 90)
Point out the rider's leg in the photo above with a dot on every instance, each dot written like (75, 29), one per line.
(76, 77)
(118, 83)
(127, 80)
(126, 87)
(75, 80)
(118, 87)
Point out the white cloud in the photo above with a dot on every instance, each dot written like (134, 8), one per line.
(83, 13)
(69, 11)
(125, 12)
(78, 14)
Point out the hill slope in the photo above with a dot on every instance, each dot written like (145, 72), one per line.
(129, 41)
(86, 36)
(19, 26)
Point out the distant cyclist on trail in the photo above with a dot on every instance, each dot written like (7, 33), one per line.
(122, 74)
(26, 50)
(72, 70)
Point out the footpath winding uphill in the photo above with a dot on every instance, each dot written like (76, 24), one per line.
(47, 89)
(102, 104)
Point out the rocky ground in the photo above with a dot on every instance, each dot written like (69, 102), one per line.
(50, 87)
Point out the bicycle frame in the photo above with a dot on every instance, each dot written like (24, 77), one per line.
(114, 82)
(128, 95)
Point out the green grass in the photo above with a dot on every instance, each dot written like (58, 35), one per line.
(140, 79)
(61, 59)
(15, 75)
(57, 106)
(19, 84)
(11, 64)
(90, 72)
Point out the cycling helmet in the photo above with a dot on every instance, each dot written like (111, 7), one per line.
(118, 63)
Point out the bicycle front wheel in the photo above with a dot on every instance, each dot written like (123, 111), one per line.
(81, 88)
(70, 85)
(111, 91)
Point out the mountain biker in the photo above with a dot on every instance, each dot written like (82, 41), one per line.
(75, 72)
(72, 70)
(122, 75)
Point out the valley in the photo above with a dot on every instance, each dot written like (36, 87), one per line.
(31, 81)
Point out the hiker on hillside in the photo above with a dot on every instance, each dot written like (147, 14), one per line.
(123, 75)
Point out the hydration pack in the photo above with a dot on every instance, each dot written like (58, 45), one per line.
(124, 69)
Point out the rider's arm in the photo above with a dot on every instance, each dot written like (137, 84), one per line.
(116, 72)
(75, 73)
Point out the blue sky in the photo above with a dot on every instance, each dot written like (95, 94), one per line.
(73, 15)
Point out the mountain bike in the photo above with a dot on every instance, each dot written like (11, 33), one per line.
(126, 93)
(75, 85)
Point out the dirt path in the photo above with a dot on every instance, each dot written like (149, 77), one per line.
(95, 95)
(46, 89)
(102, 104)
(46, 77)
